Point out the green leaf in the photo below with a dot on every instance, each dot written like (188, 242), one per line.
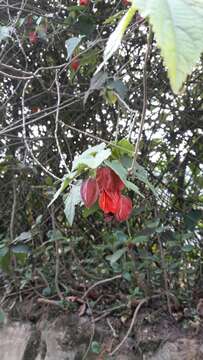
(116, 256)
(111, 19)
(142, 239)
(65, 182)
(92, 157)
(2, 317)
(5, 32)
(192, 218)
(119, 88)
(24, 236)
(97, 83)
(188, 248)
(178, 27)
(46, 291)
(55, 235)
(89, 211)
(20, 249)
(118, 168)
(71, 44)
(95, 347)
(115, 38)
(5, 258)
(153, 224)
(141, 174)
(123, 147)
(71, 201)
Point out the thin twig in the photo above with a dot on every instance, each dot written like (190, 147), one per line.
(163, 265)
(144, 108)
(13, 211)
(101, 282)
(57, 122)
(57, 264)
(130, 328)
(25, 137)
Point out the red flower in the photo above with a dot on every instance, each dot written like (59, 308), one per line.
(33, 37)
(108, 180)
(108, 201)
(75, 63)
(84, 2)
(125, 2)
(107, 186)
(89, 192)
(125, 208)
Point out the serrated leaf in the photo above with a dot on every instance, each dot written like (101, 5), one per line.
(65, 182)
(92, 157)
(116, 256)
(71, 201)
(71, 44)
(178, 27)
(97, 82)
(115, 38)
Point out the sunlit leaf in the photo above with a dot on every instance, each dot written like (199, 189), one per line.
(116, 256)
(72, 199)
(178, 27)
(5, 32)
(92, 157)
(71, 44)
(115, 38)
(65, 182)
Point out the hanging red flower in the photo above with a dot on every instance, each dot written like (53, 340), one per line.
(108, 202)
(89, 192)
(107, 187)
(108, 180)
(124, 208)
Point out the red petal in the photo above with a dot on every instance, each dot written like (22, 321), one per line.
(125, 208)
(89, 192)
(108, 180)
(108, 202)
(33, 37)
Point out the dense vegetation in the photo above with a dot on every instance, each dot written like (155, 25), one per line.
(52, 108)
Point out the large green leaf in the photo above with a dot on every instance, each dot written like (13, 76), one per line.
(71, 44)
(71, 201)
(92, 157)
(115, 38)
(178, 27)
(65, 182)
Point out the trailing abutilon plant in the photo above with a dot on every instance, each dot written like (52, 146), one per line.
(106, 180)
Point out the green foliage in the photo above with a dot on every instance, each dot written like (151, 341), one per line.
(178, 29)
(84, 119)
(72, 199)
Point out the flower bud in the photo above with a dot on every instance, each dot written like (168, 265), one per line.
(89, 192)
(125, 208)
